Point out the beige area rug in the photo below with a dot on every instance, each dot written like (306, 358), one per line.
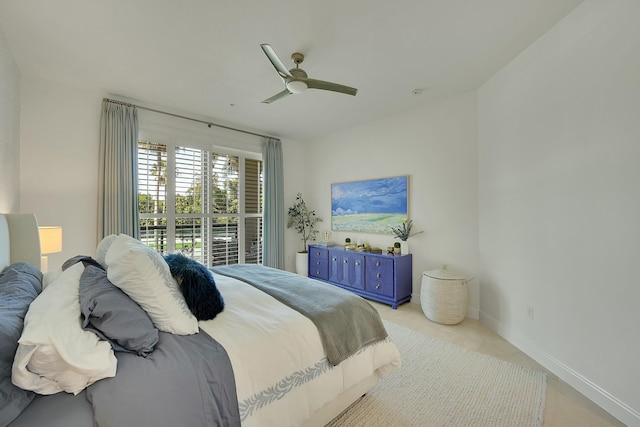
(442, 384)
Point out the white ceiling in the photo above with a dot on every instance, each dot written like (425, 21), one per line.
(203, 57)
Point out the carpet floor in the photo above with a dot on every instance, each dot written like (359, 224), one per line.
(442, 384)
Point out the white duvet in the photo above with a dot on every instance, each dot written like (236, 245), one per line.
(54, 353)
(281, 373)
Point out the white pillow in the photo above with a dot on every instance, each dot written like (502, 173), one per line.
(144, 275)
(103, 247)
(54, 352)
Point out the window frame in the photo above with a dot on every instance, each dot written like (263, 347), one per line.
(199, 141)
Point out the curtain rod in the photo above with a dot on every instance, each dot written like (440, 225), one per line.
(209, 124)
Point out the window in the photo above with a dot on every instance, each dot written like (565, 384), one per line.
(202, 203)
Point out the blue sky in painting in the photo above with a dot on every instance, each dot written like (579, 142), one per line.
(388, 195)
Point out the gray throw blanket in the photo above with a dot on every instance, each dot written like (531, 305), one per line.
(345, 321)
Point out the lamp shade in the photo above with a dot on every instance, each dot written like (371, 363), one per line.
(50, 239)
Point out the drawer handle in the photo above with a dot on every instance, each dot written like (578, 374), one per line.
(345, 261)
(318, 273)
(378, 286)
(377, 263)
(318, 262)
(335, 259)
(357, 263)
(377, 275)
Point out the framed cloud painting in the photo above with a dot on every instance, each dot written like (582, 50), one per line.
(372, 206)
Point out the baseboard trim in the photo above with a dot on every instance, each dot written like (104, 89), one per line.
(584, 385)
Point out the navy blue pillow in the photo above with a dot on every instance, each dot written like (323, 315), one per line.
(197, 285)
(20, 283)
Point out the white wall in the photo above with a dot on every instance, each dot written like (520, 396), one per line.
(296, 177)
(9, 130)
(559, 174)
(60, 127)
(436, 146)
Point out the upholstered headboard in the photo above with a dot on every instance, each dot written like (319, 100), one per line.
(19, 240)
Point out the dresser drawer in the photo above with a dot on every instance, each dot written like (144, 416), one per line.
(380, 269)
(318, 253)
(379, 287)
(319, 263)
(379, 276)
(319, 268)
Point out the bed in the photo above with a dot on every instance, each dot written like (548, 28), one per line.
(284, 368)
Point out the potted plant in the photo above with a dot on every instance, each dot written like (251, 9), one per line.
(403, 232)
(303, 221)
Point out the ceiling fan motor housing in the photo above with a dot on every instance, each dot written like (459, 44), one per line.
(294, 85)
(298, 73)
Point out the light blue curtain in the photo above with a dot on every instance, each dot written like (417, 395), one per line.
(273, 221)
(118, 170)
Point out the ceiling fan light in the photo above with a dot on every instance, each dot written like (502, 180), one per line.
(296, 86)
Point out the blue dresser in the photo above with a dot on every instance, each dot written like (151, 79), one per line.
(379, 277)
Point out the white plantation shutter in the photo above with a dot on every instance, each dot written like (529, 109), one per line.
(224, 181)
(214, 200)
(152, 163)
(253, 211)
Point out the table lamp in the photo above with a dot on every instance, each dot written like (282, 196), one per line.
(50, 243)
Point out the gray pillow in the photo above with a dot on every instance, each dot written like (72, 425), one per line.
(113, 316)
(20, 283)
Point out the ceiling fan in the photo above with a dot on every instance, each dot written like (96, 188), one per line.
(296, 80)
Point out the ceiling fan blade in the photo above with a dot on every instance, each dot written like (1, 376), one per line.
(334, 87)
(277, 96)
(275, 60)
